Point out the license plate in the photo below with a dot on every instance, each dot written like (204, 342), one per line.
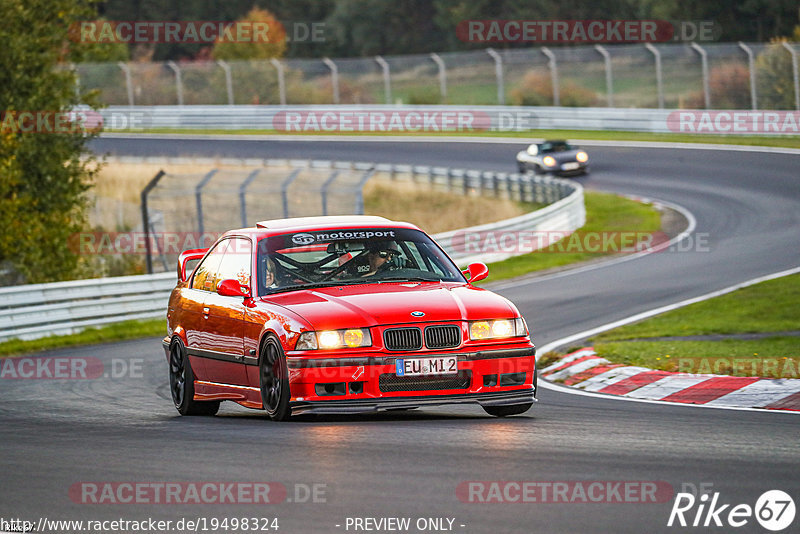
(570, 166)
(447, 365)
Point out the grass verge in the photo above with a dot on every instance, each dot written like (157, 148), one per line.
(769, 307)
(606, 214)
(599, 135)
(91, 336)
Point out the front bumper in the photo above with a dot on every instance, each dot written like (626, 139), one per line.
(368, 383)
(498, 398)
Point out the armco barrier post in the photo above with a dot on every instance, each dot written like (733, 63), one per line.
(704, 64)
(178, 81)
(387, 78)
(198, 196)
(281, 80)
(498, 73)
(795, 75)
(751, 65)
(128, 82)
(659, 80)
(553, 64)
(334, 77)
(609, 77)
(146, 219)
(228, 80)
(442, 76)
(243, 194)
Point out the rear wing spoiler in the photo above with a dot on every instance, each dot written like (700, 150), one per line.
(187, 256)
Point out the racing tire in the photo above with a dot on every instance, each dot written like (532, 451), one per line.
(504, 411)
(522, 167)
(274, 381)
(181, 383)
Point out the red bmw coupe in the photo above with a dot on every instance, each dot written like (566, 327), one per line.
(341, 315)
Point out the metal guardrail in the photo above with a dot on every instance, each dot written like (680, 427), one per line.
(340, 118)
(38, 310)
(34, 311)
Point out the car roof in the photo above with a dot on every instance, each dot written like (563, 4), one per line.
(326, 222)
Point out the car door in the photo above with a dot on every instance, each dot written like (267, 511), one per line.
(224, 317)
(192, 308)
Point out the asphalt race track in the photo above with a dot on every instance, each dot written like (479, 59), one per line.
(56, 433)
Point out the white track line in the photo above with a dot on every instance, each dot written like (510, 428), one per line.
(638, 317)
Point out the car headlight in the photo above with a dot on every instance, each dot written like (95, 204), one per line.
(334, 339)
(582, 156)
(550, 161)
(498, 328)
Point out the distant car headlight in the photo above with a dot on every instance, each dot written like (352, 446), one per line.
(550, 161)
(498, 328)
(582, 156)
(334, 339)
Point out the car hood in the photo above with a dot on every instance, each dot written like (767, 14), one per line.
(392, 303)
(563, 157)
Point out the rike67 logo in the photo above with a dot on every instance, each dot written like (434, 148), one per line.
(774, 510)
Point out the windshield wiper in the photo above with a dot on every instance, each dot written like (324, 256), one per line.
(408, 279)
(315, 285)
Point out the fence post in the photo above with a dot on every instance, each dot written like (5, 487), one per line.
(360, 197)
(242, 195)
(751, 64)
(285, 191)
(795, 75)
(498, 72)
(146, 219)
(128, 82)
(609, 76)
(198, 197)
(228, 80)
(178, 81)
(281, 80)
(442, 75)
(387, 80)
(704, 62)
(334, 77)
(659, 80)
(553, 74)
(324, 191)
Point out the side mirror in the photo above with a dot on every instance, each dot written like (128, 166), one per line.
(232, 288)
(476, 272)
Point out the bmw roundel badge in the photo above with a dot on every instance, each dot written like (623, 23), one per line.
(418, 314)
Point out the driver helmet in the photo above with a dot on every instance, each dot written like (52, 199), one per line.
(384, 249)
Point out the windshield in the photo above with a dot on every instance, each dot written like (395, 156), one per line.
(350, 256)
(557, 146)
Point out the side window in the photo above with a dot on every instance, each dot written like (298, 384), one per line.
(236, 262)
(205, 276)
